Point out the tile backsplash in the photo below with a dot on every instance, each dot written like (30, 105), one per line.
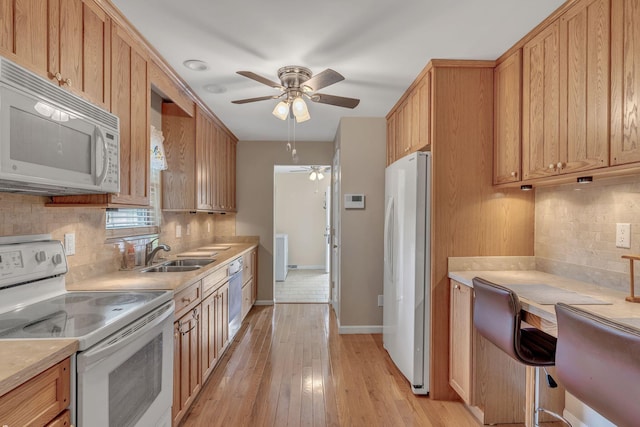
(575, 230)
(21, 215)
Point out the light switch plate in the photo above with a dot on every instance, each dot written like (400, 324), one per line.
(178, 231)
(623, 235)
(380, 300)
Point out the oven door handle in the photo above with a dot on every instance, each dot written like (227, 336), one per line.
(124, 337)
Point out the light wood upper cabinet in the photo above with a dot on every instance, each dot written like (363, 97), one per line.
(130, 100)
(205, 145)
(507, 115)
(625, 82)
(65, 41)
(408, 126)
(566, 93)
(541, 104)
(584, 89)
(179, 180)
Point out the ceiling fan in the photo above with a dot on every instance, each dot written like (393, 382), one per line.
(315, 172)
(295, 84)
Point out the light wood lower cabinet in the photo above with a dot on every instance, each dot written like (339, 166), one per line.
(247, 296)
(215, 328)
(40, 400)
(461, 340)
(186, 362)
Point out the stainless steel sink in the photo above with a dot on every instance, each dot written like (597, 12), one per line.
(200, 262)
(163, 268)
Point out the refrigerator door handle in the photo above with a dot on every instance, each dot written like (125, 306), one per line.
(388, 234)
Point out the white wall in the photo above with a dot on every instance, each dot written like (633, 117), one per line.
(254, 195)
(300, 213)
(362, 143)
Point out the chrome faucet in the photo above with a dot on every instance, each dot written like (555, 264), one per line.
(150, 255)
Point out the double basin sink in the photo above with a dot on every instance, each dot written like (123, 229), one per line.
(178, 265)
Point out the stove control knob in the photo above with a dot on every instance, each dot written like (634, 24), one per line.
(57, 259)
(41, 256)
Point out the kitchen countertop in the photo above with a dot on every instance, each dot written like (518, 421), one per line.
(619, 310)
(135, 280)
(24, 359)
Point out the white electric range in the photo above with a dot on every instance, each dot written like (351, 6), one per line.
(123, 372)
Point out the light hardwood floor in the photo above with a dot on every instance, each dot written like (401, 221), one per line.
(288, 366)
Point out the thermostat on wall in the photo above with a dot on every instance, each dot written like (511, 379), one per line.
(354, 201)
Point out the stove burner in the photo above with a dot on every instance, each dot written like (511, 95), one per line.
(72, 299)
(117, 300)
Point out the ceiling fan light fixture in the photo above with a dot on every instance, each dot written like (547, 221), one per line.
(281, 111)
(300, 109)
(312, 176)
(320, 176)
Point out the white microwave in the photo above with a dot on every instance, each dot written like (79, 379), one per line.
(51, 141)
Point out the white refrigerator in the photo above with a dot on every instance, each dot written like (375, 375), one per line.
(407, 267)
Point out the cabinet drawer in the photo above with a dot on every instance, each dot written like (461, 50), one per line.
(214, 280)
(187, 299)
(39, 400)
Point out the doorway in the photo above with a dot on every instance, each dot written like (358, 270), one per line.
(302, 201)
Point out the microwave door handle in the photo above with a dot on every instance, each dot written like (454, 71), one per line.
(105, 155)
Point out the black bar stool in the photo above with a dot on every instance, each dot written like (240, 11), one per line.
(598, 361)
(496, 316)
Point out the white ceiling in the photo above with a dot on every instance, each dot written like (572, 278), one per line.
(379, 46)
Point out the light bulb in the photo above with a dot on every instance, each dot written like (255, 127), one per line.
(300, 110)
(320, 176)
(44, 109)
(281, 111)
(312, 176)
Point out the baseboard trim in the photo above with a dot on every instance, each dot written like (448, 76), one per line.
(263, 302)
(363, 329)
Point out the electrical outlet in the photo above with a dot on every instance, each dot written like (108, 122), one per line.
(178, 231)
(623, 235)
(208, 227)
(188, 229)
(70, 244)
(380, 300)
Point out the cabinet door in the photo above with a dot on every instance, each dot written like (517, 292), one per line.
(625, 82)
(231, 174)
(208, 320)
(507, 115)
(391, 139)
(247, 292)
(186, 363)
(460, 340)
(204, 169)
(222, 317)
(584, 101)
(401, 131)
(541, 104)
(84, 51)
(39, 400)
(24, 32)
(424, 116)
(130, 101)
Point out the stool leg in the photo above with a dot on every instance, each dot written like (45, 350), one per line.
(536, 403)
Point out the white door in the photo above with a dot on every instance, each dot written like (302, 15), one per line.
(335, 208)
(327, 228)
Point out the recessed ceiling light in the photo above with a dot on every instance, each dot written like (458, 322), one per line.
(196, 65)
(214, 88)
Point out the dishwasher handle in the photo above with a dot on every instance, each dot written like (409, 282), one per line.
(125, 336)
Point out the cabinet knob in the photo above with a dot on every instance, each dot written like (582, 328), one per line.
(552, 166)
(58, 76)
(456, 286)
(185, 299)
(560, 165)
(514, 174)
(67, 82)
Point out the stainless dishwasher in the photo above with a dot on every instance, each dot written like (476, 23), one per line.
(235, 296)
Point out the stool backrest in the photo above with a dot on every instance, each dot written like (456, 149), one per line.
(598, 361)
(496, 315)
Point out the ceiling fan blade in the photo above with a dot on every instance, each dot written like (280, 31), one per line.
(260, 98)
(323, 79)
(260, 79)
(340, 101)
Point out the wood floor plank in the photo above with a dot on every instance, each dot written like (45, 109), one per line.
(288, 366)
